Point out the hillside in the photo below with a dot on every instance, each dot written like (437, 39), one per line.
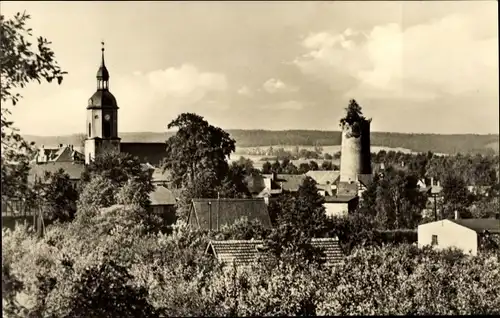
(449, 144)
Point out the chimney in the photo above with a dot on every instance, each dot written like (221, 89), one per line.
(457, 216)
(60, 145)
(432, 181)
(274, 176)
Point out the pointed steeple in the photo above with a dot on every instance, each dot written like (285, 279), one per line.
(102, 73)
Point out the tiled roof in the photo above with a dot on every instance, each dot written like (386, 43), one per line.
(324, 177)
(244, 252)
(227, 211)
(290, 182)
(480, 225)
(163, 196)
(151, 152)
(339, 198)
(74, 170)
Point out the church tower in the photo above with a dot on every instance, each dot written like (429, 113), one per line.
(102, 118)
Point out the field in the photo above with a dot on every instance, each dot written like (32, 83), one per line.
(330, 140)
(258, 162)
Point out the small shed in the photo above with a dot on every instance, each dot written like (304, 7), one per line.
(212, 214)
(464, 234)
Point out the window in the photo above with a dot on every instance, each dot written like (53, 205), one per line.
(107, 129)
(89, 130)
(434, 240)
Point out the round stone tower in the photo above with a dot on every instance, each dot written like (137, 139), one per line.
(355, 156)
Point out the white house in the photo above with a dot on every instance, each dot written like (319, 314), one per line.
(463, 234)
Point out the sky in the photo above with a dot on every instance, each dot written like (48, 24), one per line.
(414, 67)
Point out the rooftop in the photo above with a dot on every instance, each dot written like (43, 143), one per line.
(244, 252)
(324, 177)
(480, 225)
(227, 211)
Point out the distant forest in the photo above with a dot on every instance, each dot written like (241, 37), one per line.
(449, 144)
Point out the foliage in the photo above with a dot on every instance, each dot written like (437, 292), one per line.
(119, 168)
(97, 193)
(78, 265)
(353, 114)
(58, 196)
(455, 195)
(394, 199)
(196, 146)
(20, 65)
(298, 218)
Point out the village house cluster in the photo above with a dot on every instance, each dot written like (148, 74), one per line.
(342, 189)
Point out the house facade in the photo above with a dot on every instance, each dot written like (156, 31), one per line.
(463, 234)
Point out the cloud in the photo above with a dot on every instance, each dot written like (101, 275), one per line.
(245, 91)
(274, 85)
(454, 55)
(147, 101)
(286, 105)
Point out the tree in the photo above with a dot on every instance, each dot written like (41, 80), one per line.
(313, 166)
(298, 218)
(97, 193)
(196, 146)
(455, 195)
(354, 114)
(399, 202)
(119, 168)
(304, 168)
(20, 65)
(234, 185)
(58, 196)
(327, 165)
(266, 168)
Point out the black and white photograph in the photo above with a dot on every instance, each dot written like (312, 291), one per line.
(249, 158)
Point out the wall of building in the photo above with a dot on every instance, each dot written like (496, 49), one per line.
(355, 151)
(336, 209)
(449, 234)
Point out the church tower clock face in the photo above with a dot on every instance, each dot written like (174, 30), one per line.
(107, 117)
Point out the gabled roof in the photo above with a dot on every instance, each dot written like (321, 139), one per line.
(74, 170)
(324, 177)
(245, 252)
(227, 211)
(290, 182)
(480, 225)
(163, 196)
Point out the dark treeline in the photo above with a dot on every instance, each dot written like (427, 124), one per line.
(450, 144)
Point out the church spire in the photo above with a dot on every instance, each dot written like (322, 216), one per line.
(102, 73)
(102, 50)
